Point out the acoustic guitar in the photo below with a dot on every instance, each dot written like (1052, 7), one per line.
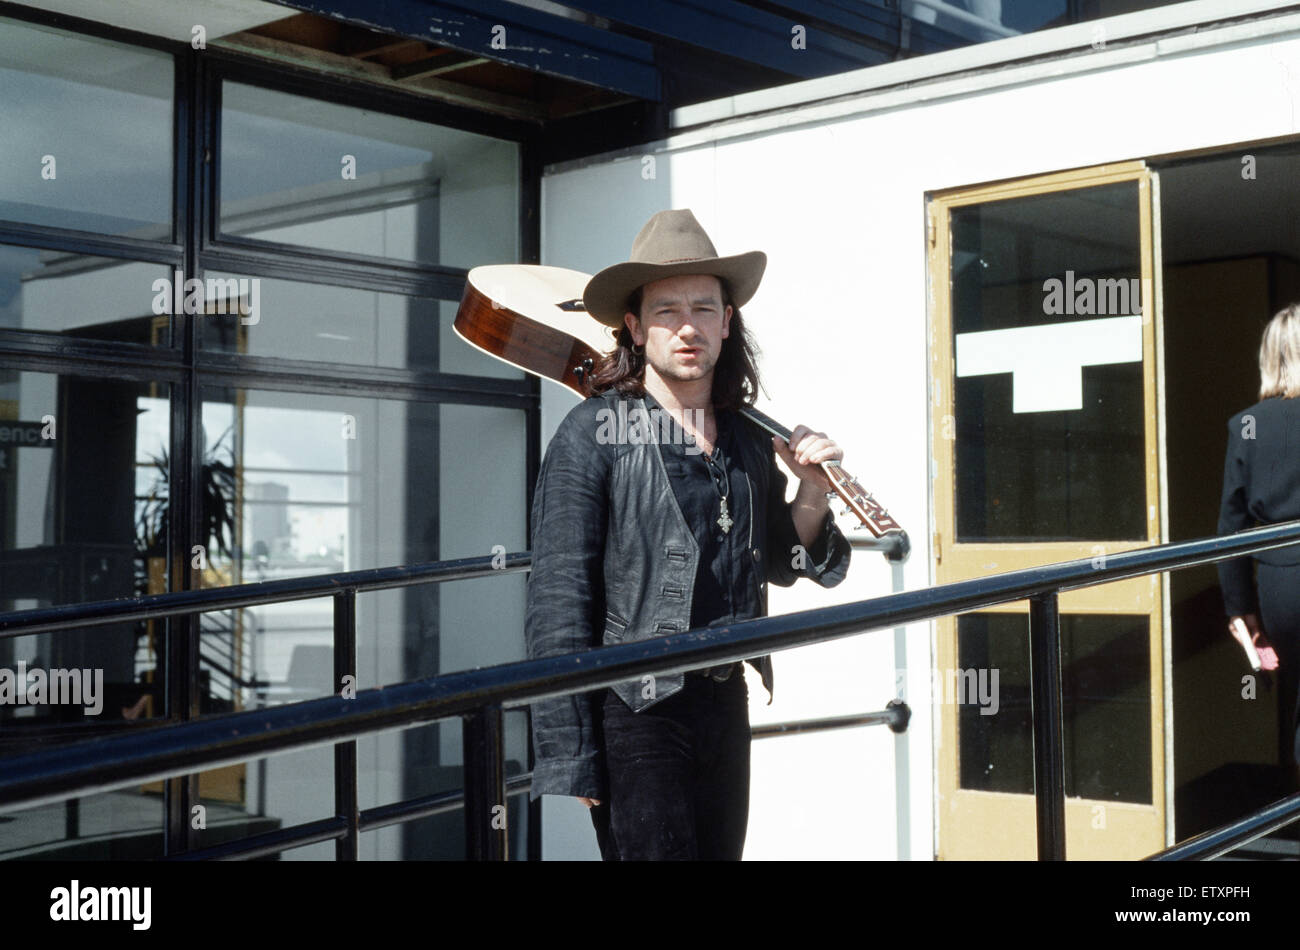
(532, 317)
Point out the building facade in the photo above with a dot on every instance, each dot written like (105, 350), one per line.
(1018, 266)
(1023, 284)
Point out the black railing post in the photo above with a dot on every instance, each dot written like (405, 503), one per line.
(72, 818)
(485, 785)
(1049, 754)
(345, 753)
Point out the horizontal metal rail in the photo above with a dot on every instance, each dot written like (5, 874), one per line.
(271, 842)
(336, 828)
(166, 751)
(20, 623)
(895, 716)
(894, 545)
(1219, 841)
(383, 816)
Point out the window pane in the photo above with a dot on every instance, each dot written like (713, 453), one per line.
(305, 484)
(286, 318)
(427, 760)
(320, 484)
(83, 515)
(363, 182)
(269, 794)
(418, 632)
(87, 137)
(1106, 695)
(77, 295)
(1048, 354)
(121, 825)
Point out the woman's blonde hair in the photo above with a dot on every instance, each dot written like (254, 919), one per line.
(1279, 355)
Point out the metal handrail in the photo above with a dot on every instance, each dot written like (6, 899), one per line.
(895, 715)
(343, 587)
(481, 695)
(333, 829)
(21, 623)
(1219, 841)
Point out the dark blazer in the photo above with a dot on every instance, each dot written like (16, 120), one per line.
(1261, 485)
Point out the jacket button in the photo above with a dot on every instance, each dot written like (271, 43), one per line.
(754, 552)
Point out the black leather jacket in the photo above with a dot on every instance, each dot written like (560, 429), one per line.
(614, 561)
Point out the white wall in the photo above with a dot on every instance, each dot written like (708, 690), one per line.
(839, 207)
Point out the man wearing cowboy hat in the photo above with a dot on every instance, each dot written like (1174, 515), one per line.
(635, 538)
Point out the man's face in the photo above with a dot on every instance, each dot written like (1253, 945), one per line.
(682, 325)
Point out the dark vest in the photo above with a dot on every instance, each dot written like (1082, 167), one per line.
(651, 557)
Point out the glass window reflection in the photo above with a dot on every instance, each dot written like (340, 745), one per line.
(1106, 696)
(83, 513)
(1051, 454)
(364, 182)
(322, 484)
(87, 132)
(77, 295)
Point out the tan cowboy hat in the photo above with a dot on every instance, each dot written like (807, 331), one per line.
(671, 243)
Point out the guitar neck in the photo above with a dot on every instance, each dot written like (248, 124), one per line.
(764, 421)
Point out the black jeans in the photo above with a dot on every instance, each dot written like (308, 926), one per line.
(678, 775)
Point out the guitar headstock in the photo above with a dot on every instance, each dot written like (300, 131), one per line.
(858, 500)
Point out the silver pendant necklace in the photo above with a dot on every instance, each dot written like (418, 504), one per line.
(721, 484)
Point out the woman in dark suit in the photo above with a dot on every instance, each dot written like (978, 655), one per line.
(1261, 485)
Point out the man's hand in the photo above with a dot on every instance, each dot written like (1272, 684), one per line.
(804, 454)
(588, 801)
(810, 505)
(1246, 629)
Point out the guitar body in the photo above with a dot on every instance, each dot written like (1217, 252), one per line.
(532, 317)
(560, 345)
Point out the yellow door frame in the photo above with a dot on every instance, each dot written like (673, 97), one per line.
(984, 825)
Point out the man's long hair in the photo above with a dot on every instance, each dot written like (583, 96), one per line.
(735, 376)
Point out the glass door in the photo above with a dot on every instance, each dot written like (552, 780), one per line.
(1044, 407)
